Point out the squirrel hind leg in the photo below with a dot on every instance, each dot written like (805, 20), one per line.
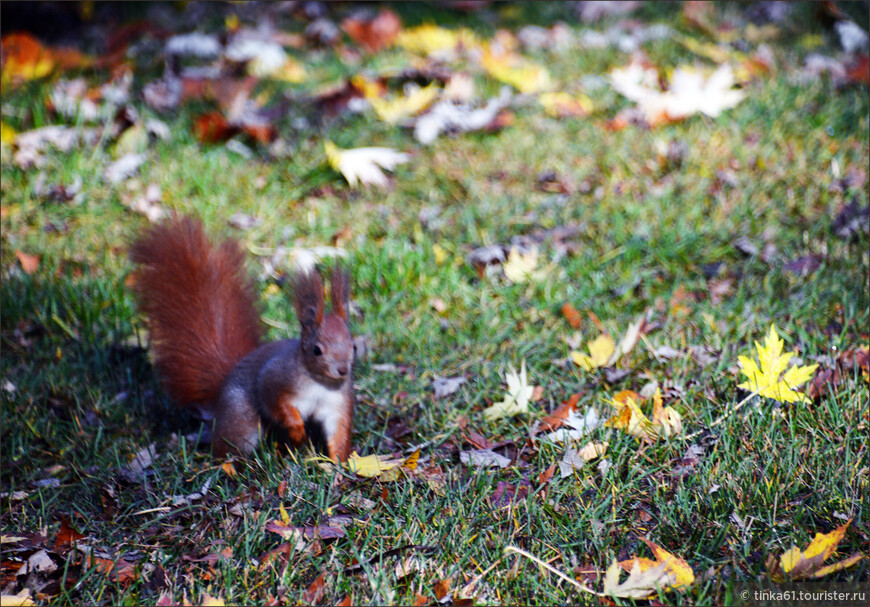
(237, 424)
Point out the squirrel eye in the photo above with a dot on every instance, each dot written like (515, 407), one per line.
(317, 351)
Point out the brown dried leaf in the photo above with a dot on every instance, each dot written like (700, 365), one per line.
(29, 263)
(314, 593)
(373, 34)
(571, 315)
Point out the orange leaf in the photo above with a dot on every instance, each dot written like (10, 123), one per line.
(29, 263)
(66, 535)
(441, 588)
(212, 127)
(571, 315)
(555, 419)
(375, 34)
(314, 593)
(347, 601)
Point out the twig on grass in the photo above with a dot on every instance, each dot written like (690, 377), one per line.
(552, 569)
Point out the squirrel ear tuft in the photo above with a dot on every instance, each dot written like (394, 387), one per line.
(340, 292)
(308, 298)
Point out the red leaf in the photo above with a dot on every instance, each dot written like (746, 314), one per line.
(375, 34)
(212, 127)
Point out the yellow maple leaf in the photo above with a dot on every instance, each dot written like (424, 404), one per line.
(428, 39)
(520, 267)
(563, 105)
(394, 110)
(796, 564)
(370, 465)
(767, 377)
(681, 572)
(520, 73)
(600, 351)
(630, 418)
(665, 419)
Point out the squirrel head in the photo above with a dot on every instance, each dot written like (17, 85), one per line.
(327, 346)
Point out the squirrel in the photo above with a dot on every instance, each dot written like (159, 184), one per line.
(206, 339)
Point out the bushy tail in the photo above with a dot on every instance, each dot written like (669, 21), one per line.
(200, 306)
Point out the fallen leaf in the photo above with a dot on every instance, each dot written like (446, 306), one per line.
(448, 116)
(212, 127)
(689, 92)
(565, 105)
(397, 109)
(575, 426)
(511, 68)
(628, 341)
(677, 567)
(212, 601)
(600, 351)
(516, 401)
(373, 34)
(520, 267)
(571, 315)
(575, 458)
(23, 58)
(66, 535)
(29, 263)
(363, 165)
(22, 599)
(445, 386)
(771, 379)
(641, 583)
(315, 591)
(484, 458)
(431, 39)
(441, 588)
(124, 168)
(796, 564)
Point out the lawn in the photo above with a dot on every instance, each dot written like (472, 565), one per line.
(541, 240)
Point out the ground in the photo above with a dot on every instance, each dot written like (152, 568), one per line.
(708, 229)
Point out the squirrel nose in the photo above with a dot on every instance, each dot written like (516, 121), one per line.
(342, 370)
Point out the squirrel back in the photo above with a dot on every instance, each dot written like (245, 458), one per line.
(200, 304)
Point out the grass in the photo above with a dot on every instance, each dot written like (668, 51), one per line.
(81, 398)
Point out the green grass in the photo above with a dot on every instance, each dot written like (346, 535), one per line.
(85, 398)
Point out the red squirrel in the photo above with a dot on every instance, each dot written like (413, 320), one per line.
(206, 339)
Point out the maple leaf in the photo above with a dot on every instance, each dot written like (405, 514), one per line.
(512, 69)
(677, 567)
(665, 422)
(516, 400)
(600, 351)
(520, 267)
(363, 165)
(796, 564)
(394, 110)
(431, 39)
(379, 465)
(563, 105)
(641, 583)
(689, 92)
(767, 377)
